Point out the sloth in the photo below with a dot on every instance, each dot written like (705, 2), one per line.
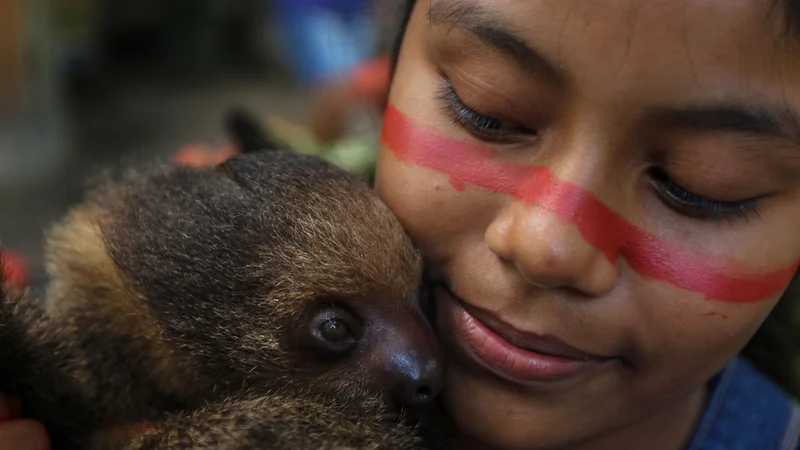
(270, 301)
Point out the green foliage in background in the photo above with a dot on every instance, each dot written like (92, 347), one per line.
(356, 153)
(74, 19)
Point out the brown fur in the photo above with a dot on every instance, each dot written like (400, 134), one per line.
(182, 297)
(84, 277)
(279, 420)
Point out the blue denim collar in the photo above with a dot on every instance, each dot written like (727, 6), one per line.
(747, 411)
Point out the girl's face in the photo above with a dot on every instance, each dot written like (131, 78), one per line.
(608, 197)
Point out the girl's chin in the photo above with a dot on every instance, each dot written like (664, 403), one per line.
(481, 421)
(486, 418)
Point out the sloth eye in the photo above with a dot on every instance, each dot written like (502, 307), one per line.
(335, 331)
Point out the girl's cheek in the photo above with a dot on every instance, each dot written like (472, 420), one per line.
(712, 277)
(435, 215)
(678, 328)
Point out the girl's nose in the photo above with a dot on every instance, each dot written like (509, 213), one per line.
(548, 252)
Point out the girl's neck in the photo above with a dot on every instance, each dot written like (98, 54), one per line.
(669, 429)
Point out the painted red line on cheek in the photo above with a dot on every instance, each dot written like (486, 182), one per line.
(715, 277)
(713, 313)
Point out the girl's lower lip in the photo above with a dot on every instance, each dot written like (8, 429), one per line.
(504, 359)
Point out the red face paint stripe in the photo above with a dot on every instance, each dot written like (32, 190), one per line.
(713, 276)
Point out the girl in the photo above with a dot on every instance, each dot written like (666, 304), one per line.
(608, 197)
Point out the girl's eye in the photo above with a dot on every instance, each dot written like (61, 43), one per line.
(479, 125)
(696, 206)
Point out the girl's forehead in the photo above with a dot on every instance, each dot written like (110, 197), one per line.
(633, 13)
(715, 48)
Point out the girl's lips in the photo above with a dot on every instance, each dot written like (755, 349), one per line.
(532, 360)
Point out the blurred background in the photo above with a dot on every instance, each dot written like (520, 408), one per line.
(92, 84)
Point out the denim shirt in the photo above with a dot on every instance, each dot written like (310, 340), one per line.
(747, 411)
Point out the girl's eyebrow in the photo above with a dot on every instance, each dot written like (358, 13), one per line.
(491, 29)
(781, 123)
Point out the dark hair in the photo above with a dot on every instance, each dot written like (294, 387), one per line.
(398, 42)
(789, 13)
(775, 348)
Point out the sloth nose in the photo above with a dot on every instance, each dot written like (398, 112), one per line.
(417, 377)
(406, 359)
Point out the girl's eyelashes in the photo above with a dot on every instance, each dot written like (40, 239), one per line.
(477, 124)
(692, 205)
